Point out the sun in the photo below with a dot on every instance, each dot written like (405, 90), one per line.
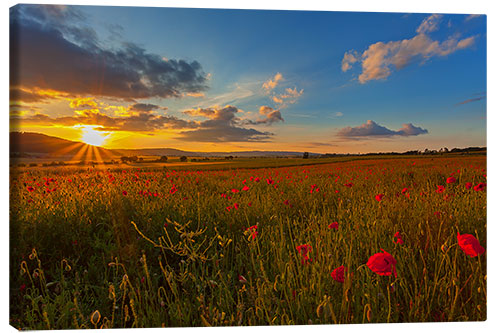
(92, 136)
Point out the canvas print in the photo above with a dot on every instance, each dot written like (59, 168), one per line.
(183, 167)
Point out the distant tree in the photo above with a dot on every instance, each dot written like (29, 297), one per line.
(124, 159)
(141, 159)
(306, 155)
(163, 159)
(183, 159)
(33, 164)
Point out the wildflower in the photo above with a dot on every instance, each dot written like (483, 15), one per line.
(30, 188)
(338, 274)
(304, 250)
(334, 225)
(379, 197)
(480, 187)
(404, 190)
(245, 188)
(124, 192)
(235, 190)
(468, 185)
(470, 245)
(242, 279)
(440, 189)
(382, 263)
(236, 205)
(270, 181)
(451, 180)
(348, 184)
(253, 231)
(398, 240)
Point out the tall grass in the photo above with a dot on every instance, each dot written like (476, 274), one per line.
(152, 248)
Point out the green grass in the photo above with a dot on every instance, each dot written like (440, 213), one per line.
(87, 255)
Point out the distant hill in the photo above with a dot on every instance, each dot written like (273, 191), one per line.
(26, 144)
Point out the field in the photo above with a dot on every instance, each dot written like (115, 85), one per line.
(348, 241)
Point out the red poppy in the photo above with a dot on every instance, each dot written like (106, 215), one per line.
(398, 240)
(124, 192)
(451, 180)
(379, 197)
(338, 274)
(440, 189)
(236, 206)
(245, 188)
(334, 225)
(404, 190)
(348, 184)
(235, 190)
(242, 279)
(480, 187)
(304, 250)
(270, 181)
(30, 188)
(468, 185)
(253, 231)
(382, 263)
(470, 245)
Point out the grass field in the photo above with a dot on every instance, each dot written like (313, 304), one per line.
(346, 241)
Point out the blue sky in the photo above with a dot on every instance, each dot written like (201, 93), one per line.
(411, 69)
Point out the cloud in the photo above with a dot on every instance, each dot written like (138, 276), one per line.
(349, 58)
(475, 99)
(141, 107)
(372, 129)
(52, 48)
(222, 125)
(30, 96)
(379, 59)
(270, 116)
(272, 82)
(472, 16)
(142, 122)
(88, 102)
(430, 24)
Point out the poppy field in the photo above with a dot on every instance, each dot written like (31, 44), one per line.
(361, 241)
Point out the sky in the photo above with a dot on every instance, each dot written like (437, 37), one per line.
(234, 80)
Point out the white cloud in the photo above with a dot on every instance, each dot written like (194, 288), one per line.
(379, 59)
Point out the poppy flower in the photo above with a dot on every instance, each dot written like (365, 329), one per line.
(468, 185)
(334, 225)
(404, 190)
(242, 279)
(398, 240)
(379, 197)
(253, 231)
(451, 180)
(338, 274)
(440, 189)
(245, 188)
(30, 188)
(235, 190)
(383, 264)
(236, 205)
(470, 245)
(270, 181)
(480, 187)
(124, 192)
(304, 250)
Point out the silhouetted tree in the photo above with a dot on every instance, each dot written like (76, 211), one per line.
(183, 159)
(306, 155)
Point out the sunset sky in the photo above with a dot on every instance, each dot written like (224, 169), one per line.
(232, 80)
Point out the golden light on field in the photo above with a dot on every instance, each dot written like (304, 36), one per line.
(92, 136)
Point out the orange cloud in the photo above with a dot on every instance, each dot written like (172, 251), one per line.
(272, 82)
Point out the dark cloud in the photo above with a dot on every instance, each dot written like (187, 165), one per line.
(270, 116)
(372, 129)
(475, 99)
(141, 107)
(222, 125)
(49, 52)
